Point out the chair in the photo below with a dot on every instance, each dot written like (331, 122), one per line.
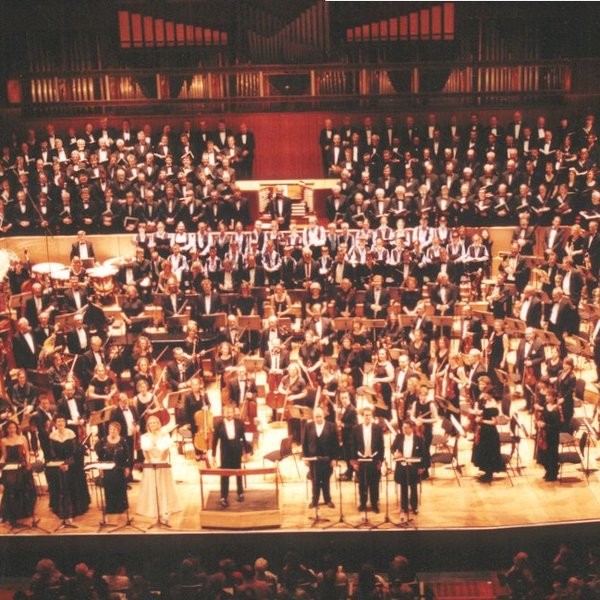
(573, 457)
(579, 392)
(285, 451)
(444, 455)
(506, 458)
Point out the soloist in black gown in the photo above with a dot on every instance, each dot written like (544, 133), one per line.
(115, 482)
(19, 494)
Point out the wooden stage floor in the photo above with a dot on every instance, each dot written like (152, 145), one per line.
(444, 504)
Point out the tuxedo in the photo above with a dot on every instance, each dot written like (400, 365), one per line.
(176, 375)
(32, 312)
(321, 444)
(368, 472)
(384, 302)
(76, 249)
(70, 303)
(236, 395)
(531, 312)
(231, 450)
(534, 352)
(281, 208)
(407, 474)
(451, 298)
(77, 344)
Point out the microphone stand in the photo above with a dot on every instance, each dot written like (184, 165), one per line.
(386, 519)
(341, 520)
(365, 462)
(129, 519)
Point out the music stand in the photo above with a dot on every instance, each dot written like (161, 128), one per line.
(177, 322)
(365, 520)
(313, 460)
(100, 494)
(407, 320)
(249, 322)
(343, 323)
(387, 522)
(341, 519)
(56, 464)
(155, 466)
(128, 518)
(407, 462)
(253, 363)
(301, 413)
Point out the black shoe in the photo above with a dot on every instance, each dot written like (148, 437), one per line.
(312, 505)
(330, 504)
(241, 497)
(416, 511)
(362, 507)
(485, 479)
(376, 509)
(224, 502)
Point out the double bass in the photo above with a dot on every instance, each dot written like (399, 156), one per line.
(203, 438)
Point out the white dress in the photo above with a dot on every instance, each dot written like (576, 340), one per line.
(157, 446)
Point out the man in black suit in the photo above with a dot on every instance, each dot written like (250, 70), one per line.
(530, 355)
(42, 420)
(367, 443)
(72, 407)
(180, 370)
(321, 328)
(280, 208)
(239, 208)
(82, 247)
(241, 388)
(229, 434)
(246, 142)
(78, 339)
(25, 348)
(405, 447)
(563, 318)
(377, 300)
(75, 297)
(477, 369)
(572, 282)
(531, 308)
(320, 450)
(36, 305)
(209, 303)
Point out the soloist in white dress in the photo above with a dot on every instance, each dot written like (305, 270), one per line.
(156, 448)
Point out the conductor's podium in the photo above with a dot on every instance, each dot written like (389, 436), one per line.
(259, 510)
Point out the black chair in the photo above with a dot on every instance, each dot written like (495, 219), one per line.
(285, 451)
(443, 454)
(573, 457)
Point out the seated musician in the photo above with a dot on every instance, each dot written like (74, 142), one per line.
(418, 351)
(101, 389)
(279, 301)
(89, 360)
(75, 297)
(78, 270)
(499, 299)
(315, 295)
(143, 369)
(272, 333)
(23, 395)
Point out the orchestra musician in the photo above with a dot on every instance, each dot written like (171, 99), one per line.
(196, 400)
(72, 408)
(486, 447)
(179, 370)
(310, 356)
(529, 359)
(42, 420)
(383, 376)
(530, 311)
(347, 419)
(500, 300)
(424, 414)
(408, 445)
(241, 388)
(321, 444)
(367, 444)
(565, 391)
(497, 353)
(471, 330)
(293, 388)
(549, 424)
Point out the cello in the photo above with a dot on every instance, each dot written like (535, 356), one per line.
(203, 438)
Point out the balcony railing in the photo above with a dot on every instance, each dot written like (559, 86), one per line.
(307, 87)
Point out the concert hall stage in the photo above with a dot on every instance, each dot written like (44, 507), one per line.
(478, 524)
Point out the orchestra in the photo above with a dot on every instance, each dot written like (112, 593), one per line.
(359, 354)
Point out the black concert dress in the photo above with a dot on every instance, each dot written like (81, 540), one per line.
(486, 453)
(19, 494)
(114, 480)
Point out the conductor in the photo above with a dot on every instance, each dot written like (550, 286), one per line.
(320, 444)
(229, 432)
